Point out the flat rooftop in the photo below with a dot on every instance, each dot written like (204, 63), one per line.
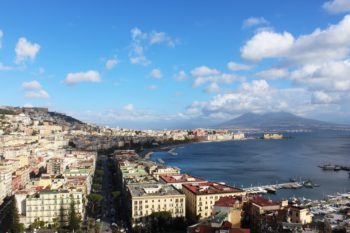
(180, 178)
(210, 188)
(141, 190)
(260, 201)
(226, 202)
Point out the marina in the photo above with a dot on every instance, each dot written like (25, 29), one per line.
(274, 187)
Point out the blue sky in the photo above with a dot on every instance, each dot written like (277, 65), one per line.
(183, 63)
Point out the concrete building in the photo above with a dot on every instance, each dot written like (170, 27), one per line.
(145, 199)
(55, 166)
(231, 210)
(156, 171)
(178, 180)
(49, 205)
(300, 215)
(200, 198)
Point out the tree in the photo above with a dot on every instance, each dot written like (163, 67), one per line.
(37, 223)
(94, 199)
(73, 218)
(115, 195)
(15, 227)
(99, 172)
(96, 187)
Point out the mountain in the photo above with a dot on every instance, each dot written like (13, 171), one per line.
(277, 121)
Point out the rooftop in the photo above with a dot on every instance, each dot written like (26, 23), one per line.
(140, 190)
(180, 178)
(260, 201)
(210, 188)
(226, 201)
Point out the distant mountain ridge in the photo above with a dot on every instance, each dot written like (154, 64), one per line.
(277, 121)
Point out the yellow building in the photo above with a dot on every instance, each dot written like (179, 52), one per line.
(201, 197)
(145, 199)
(156, 171)
(300, 215)
(231, 208)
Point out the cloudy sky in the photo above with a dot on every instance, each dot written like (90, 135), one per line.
(163, 63)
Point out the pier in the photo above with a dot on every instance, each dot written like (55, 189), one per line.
(335, 167)
(274, 187)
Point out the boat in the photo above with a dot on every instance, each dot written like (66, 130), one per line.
(337, 168)
(270, 190)
(308, 184)
(328, 167)
(292, 180)
(160, 160)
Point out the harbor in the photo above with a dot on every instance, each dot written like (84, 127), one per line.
(272, 189)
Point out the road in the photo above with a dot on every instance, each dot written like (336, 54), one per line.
(106, 219)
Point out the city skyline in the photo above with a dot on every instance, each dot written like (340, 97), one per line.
(170, 64)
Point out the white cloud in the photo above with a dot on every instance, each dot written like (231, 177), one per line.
(267, 44)
(1, 35)
(337, 6)
(25, 50)
(204, 71)
(128, 107)
(204, 74)
(161, 37)
(37, 94)
(111, 63)
(320, 46)
(181, 76)
(212, 88)
(5, 67)
(156, 73)
(237, 66)
(137, 55)
(273, 73)
(141, 41)
(320, 97)
(330, 76)
(152, 87)
(88, 76)
(254, 21)
(255, 96)
(32, 85)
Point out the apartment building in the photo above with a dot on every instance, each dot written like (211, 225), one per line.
(145, 199)
(201, 197)
(177, 180)
(158, 170)
(49, 205)
(55, 166)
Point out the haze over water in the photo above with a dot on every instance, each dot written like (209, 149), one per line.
(255, 162)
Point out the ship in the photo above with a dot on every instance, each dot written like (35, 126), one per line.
(328, 167)
(272, 136)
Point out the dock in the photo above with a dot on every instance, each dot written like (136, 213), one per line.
(334, 167)
(274, 187)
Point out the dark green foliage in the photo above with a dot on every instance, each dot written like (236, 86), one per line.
(16, 227)
(162, 222)
(73, 218)
(7, 112)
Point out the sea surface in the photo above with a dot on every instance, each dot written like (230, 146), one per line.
(254, 162)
